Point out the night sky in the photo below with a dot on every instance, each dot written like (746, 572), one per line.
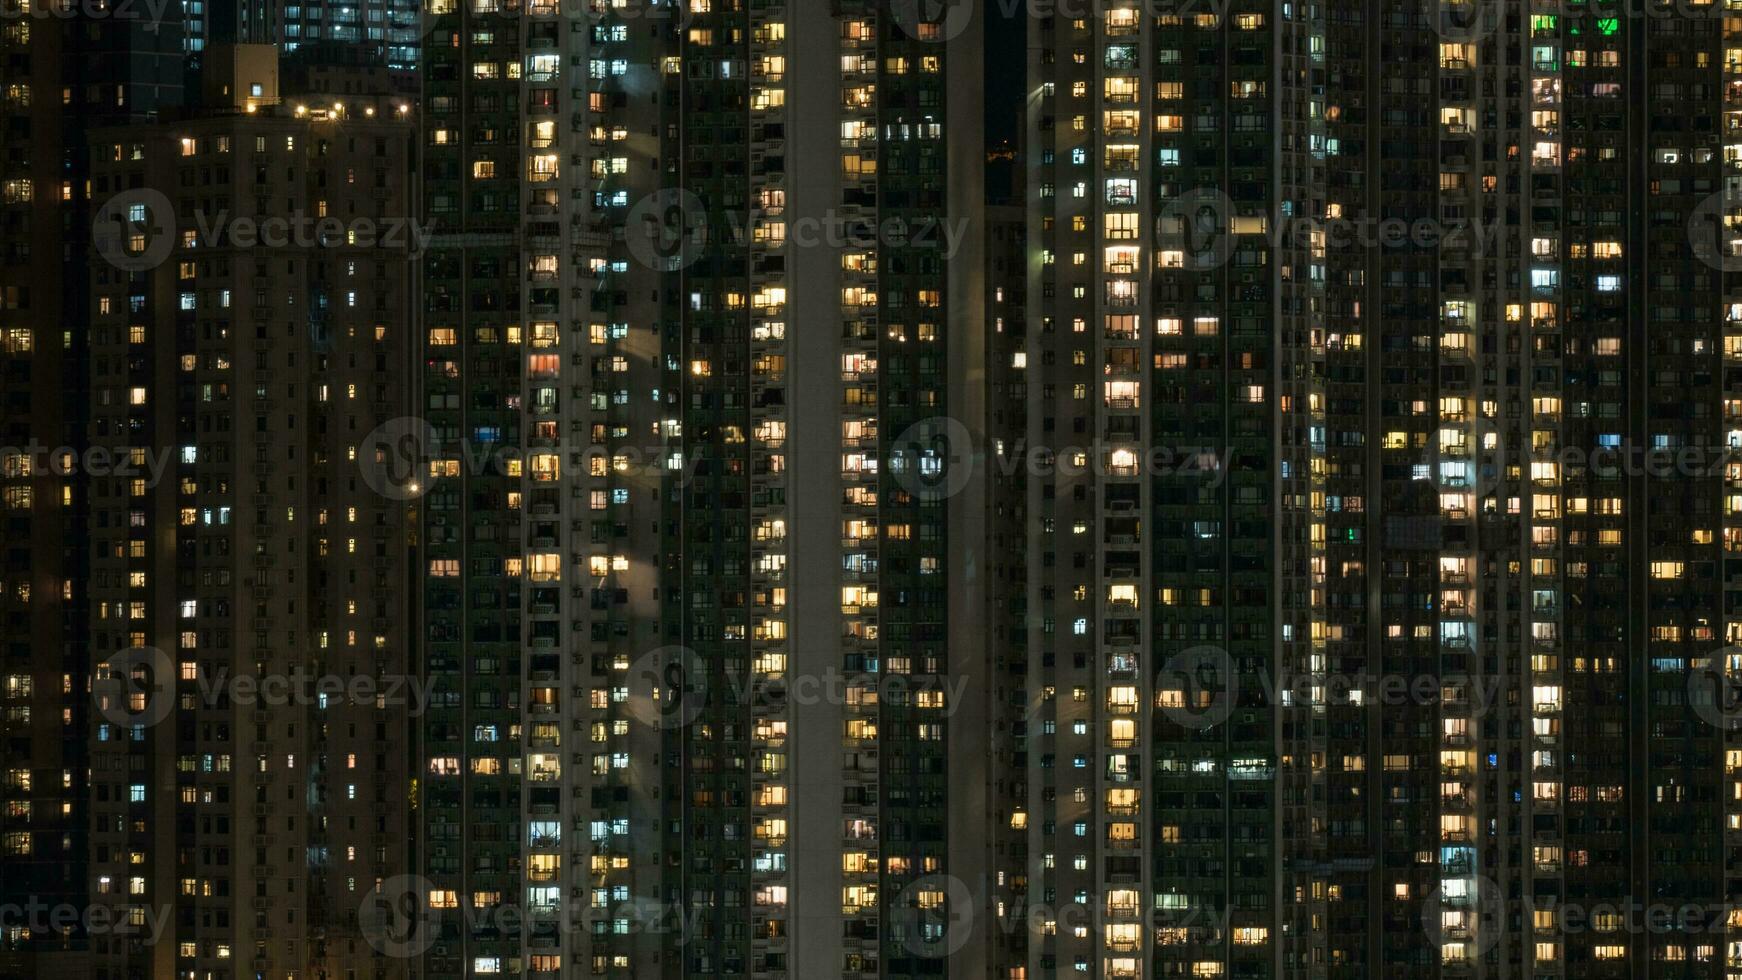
(1006, 60)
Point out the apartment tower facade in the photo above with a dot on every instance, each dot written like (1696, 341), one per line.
(1380, 630)
(691, 628)
(253, 668)
(64, 76)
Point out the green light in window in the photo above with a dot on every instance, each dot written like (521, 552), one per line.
(1608, 25)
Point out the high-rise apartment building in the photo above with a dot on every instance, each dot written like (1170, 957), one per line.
(1137, 825)
(1011, 494)
(62, 76)
(691, 635)
(641, 512)
(249, 786)
(1375, 631)
(373, 32)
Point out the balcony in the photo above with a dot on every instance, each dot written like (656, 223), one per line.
(1124, 944)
